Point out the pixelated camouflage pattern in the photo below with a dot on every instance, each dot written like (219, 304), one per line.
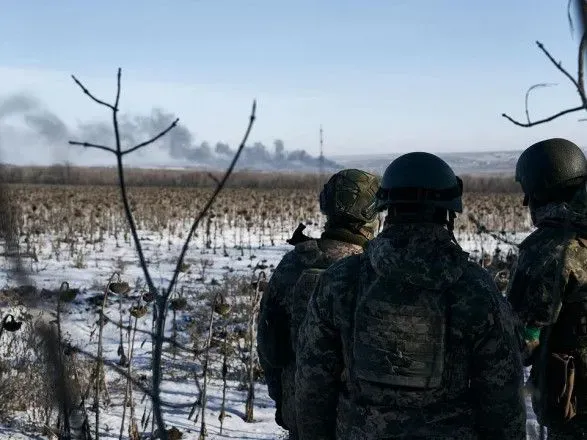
(551, 269)
(274, 345)
(479, 396)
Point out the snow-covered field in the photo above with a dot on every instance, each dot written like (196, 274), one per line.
(90, 272)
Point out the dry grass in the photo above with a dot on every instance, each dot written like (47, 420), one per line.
(71, 175)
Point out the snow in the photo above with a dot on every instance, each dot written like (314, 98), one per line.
(89, 266)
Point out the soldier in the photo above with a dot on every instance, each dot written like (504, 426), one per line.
(348, 201)
(548, 290)
(410, 340)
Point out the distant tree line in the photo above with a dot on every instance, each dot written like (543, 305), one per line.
(76, 175)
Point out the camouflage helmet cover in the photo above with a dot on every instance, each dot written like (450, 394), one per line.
(420, 178)
(350, 195)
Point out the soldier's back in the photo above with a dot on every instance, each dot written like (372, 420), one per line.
(429, 347)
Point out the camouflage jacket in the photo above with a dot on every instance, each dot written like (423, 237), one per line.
(274, 340)
(551, 266)
(369, 317)
(552, 270)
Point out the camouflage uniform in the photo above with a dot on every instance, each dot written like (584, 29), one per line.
(345, 388)
(276, 304)
(548, 288)
(552, 269)
(349, 204)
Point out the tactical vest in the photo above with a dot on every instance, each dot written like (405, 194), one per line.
(300, 298)
(400, 333)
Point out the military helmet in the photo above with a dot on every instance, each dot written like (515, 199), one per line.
(548, 166)
(350, 196)
(420, 178)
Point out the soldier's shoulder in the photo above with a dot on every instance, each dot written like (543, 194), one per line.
(546, 240)
(288, 264)
(546, 245)
(476, 287)
(344, 268)
(288, 259)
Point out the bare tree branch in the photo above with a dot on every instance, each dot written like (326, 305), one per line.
(153, 139)
(163, 299)
(92, 97)
(118, 88)
(580, 68)
(570, 17)
(160, 306)
(535, 86)
(88, 145)
(542, 121)
(118, 153)
(560, 67)
(578, 83)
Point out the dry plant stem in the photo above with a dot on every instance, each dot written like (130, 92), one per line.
(578, 83)
(255, 302)
(86, 424)
(128, 392)
(224, 375)
(60, 370)
(100, 359)
(124, 401)
(163, 299)
(129, 372)
(203, 395)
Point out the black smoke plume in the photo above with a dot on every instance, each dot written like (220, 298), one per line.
(33, 119)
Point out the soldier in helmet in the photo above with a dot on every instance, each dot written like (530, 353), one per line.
(410, 339)
(348, 201)
(548, 289)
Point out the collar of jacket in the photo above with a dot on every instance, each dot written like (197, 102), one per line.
(345, 235)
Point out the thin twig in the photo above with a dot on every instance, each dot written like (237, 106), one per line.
(560, 67)
(535, 86)
(542, 121)
(88, 145)
(580, 68)
(578, 83)
(92, 97)
(153, 139)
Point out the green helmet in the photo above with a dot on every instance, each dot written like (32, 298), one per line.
(548, 166)
(420, 178)
(349, 195)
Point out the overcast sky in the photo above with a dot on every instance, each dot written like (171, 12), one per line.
(380, 75)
